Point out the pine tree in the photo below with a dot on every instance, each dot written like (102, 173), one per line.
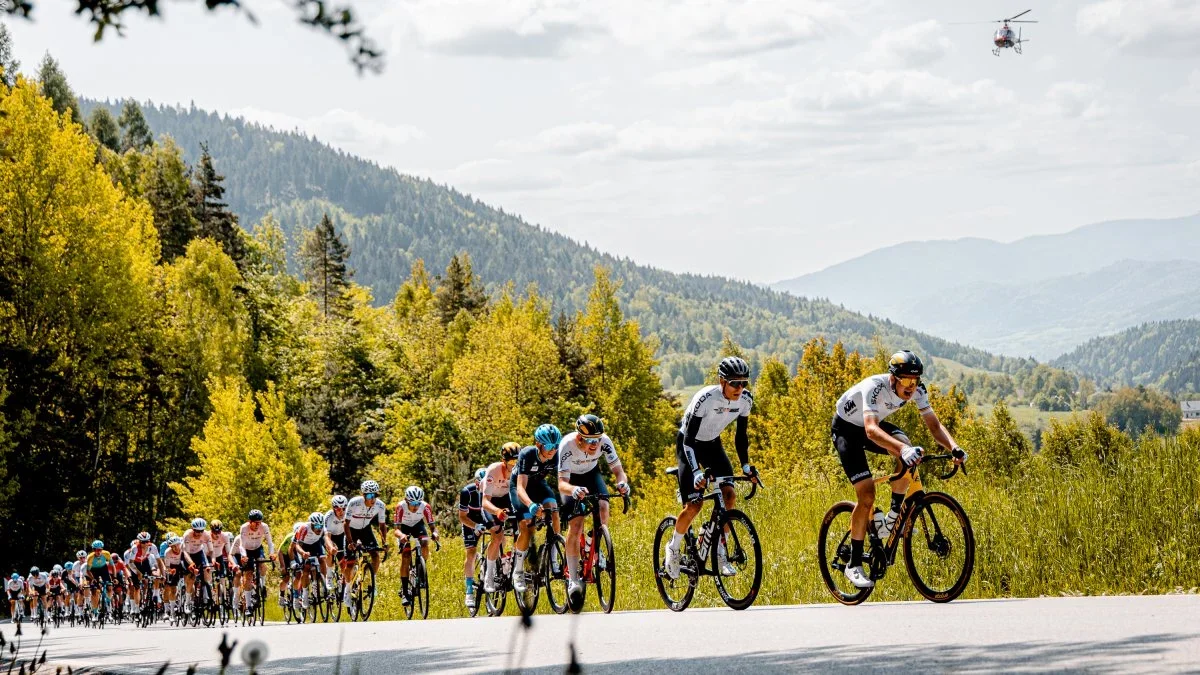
(135, 131)
(166, 186)
(55, 88)
(213, 218)
(9, 66)
(460, 289)
(103, 128)
(323, 260)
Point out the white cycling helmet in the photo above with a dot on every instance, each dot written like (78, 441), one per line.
(175, 541)
(316, 520)
(369, 486)
(200, 524)
(80, 554)
(480, 475)
(339, 502)
(57, 569)
(143, 536)
(414, 494)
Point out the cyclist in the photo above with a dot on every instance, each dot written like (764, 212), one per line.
(335, 525)
(858, 427)
(173, 570)
(162, 547)
(529, 492)
(364, 514)
(496, 503)
(579, 475)
(35, 585)
(99, 569)
(55, 588)
(15, 586)
(251, 536)
(311, 540)
(283, 559)
(474, 522)
(144, 565)
(698, 447)
(197, 553)
(411, 517)
(71, 583)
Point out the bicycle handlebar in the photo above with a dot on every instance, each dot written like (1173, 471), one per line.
(755, 481)
(946, 476)
(608, 498)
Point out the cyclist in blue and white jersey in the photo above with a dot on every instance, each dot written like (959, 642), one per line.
(529, 492)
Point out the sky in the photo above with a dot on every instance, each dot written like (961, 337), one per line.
(759, 140)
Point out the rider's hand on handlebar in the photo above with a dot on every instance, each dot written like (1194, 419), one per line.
(749, 470)
(623, 488)
(533, 510)
(698, 479)
(960, 455)
(579, 492)
(911, 456)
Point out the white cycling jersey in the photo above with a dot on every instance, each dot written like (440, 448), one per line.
(577, 457)
(172, 557)
(222, 544)
(408, 518)
(193, 543)
(253, 539)
(497, 480)
(14, 585)
(874, 396)
(38, 581)
(360, 516)
(307, 536)
(333, 524)
(715, 411)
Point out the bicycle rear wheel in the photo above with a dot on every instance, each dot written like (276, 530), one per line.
(833, 554)
(473, 610)
(939, 549)
(604, 573)
(555, 573)
(337, 592)
(676, 593)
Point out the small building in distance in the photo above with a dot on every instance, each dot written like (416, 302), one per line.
(1191, 412)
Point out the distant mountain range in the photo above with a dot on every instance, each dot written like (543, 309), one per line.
(1163, 354)
(1039, 296)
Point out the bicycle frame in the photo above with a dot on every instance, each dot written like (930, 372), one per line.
(912, 497)
(714, 515)
(587, 564)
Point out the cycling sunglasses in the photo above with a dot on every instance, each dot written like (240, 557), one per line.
(591, 440)
(738, 384)
(369, 495)
(908, 380)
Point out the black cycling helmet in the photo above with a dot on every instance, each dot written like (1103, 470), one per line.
(589, 425)
(733, 368)
(256, 515)
(906, 364)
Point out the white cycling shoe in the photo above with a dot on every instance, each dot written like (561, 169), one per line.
(518, 581)
(574, 592)
(884, 523)
(727, 570)
(470, 600)
(672, 562)
(489, 583)
(855, 576)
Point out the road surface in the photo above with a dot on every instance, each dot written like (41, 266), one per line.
(1105, 634)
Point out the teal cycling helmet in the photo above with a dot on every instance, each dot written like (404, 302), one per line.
(548, 435)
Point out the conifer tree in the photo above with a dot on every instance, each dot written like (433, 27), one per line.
(103, 128)
(9, 66)
(460, 289)
(323, 260)
(135, 132)
(55, 88)
(213, 217)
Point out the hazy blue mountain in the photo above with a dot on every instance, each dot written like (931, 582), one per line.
(1037, 296)
(1163, 354)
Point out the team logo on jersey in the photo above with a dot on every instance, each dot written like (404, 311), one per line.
(726, 410)
(873, 397)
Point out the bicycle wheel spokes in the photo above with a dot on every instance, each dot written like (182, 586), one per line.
(421, 596)
(833, 555)
(744, 553)
(940, 549)
(527, 601)
(555, 573)
(368, 590)
(605, 572)
(676, 593)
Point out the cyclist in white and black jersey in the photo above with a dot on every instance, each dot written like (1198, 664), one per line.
(15, 587)
(496, 503)
(698, 447)
(858, 427)
(365, 514)
(579, 475)
(249, 547)
(335, 525)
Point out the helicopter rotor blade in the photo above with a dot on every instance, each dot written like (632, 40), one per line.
(1022, 22)
(1019, 15)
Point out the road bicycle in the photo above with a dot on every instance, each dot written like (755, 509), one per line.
(418, 579)
(597, 560)
(362, 592)
(256, 612)
(496, 600)
(336, 587)
(315, 597)
(544, 565)
(727, 529)
(939, 545)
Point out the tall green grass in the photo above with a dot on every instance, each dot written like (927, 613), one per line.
(1096, 527)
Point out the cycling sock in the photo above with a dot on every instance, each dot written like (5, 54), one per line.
(518, 560)
(573, 567)
(897, 500)
(469, 582)
(489, 568)
(856, 552)
(675, 539)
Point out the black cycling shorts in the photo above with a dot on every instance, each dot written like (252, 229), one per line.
(592, 480)
(709, 455)
(538, 493)
(417, 530)
(852, 445)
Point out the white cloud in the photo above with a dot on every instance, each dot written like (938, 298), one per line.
(346, 129)
(1077, 100)
(914, 46)
(500, 176)
(1188, 94)
(717, 74)
(1152, 27)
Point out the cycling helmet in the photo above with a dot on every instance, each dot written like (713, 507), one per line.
(175, 541)
(906, 364)
(339, 502)
(199, 524)
(216, 526)
(548, 435)
(589, 426)
(97, 544)
(480, 475)
(733, 368)
(15, 576)
(256, 515)
(57, 569)
(34, 571)
(69, 566)
(509, 451)
(316, 520)
(170, 535)
(143, 536)
(414, 494)
(369, 486)
(80, 554)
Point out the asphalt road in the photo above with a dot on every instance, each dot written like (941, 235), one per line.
(1106, 634)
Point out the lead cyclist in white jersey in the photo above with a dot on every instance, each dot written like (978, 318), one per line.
(698, 447)
(858, 427)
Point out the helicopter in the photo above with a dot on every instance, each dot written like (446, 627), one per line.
(1005, 37)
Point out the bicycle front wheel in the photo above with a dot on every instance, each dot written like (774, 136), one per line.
(421, 593)
(939, 549)
(604, 574)
(365, 592)
(676, 593)
(741, 579)
(555, 570)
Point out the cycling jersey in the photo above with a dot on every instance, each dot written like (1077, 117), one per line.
(195, 543)
(495, 484)
(96, 561)
(874, 396)
(162, 549)
(715, 412)
(54, 583)
(573, 457)
(470, 502)
(361, 516)
(306, 536)
(221, 542)
(144, 551)
(334, 525)
(408, 518)
(14, 586)
(252, 539)
(530, 463)
(38, 581)
(172, 556)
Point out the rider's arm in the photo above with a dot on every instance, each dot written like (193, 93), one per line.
(428, 516)
(939, 431)
(522, 480)
(613, 461)
(689, 439)
(741, 440)
(564, 483)
(879, 437)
